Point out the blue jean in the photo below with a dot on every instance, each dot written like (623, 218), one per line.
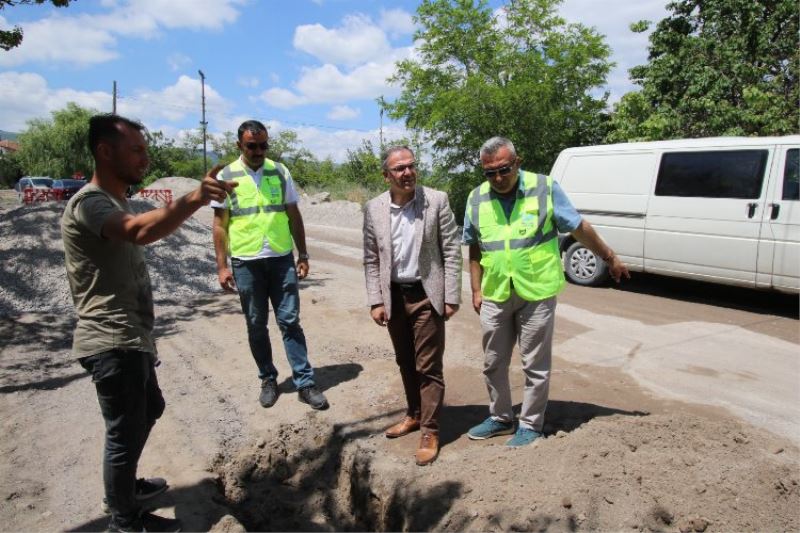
(131, 402)
(273, 279)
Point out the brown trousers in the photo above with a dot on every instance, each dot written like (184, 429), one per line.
(417, 333)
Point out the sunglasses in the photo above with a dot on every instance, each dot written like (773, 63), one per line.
(402, 168)
(253, 146)
(503, 171)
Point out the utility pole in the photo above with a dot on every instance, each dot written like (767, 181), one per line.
(203, 122)
(381, 103)
(114, 99)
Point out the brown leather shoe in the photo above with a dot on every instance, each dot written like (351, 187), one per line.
(428, 449)
(404, 427)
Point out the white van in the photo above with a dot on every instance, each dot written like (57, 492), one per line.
(722, 209)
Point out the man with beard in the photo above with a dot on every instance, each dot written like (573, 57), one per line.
(110, 287)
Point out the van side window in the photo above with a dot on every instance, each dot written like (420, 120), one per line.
(791, 175)
(717, 174)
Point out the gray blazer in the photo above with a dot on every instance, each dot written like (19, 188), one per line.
(437, 241)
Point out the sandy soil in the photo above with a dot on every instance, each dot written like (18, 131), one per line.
(616, 456)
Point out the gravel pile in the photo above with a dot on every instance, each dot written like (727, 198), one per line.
(34, 277)
(181, 266)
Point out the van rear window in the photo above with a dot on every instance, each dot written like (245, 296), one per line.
(716, 174)
(791, 175)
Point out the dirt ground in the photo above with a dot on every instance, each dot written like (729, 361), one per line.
(616, 457)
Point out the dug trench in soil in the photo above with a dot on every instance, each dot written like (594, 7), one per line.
(332, 484)
(603, 473)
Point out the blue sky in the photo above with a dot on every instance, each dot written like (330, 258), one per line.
(314, 66)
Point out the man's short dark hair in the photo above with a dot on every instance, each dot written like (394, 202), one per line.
(105, 127)
(253, 126)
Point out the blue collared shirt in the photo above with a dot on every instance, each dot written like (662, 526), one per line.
(566, 216)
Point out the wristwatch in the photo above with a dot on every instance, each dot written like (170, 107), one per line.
(302, 257)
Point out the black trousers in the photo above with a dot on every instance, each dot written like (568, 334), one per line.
(131, 402)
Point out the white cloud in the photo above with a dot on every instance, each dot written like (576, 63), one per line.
(628, 49)
(282, 98)
(251, 82)
(178, 61)
(343, 112)
(397, 22)
(328, 84)
(84, 40)
(358, 40)
(174, 103)
(78, 42)
(26, 96)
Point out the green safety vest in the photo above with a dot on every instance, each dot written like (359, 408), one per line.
(523, 248)
(257, 213)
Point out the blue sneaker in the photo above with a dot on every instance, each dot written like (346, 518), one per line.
(490, 428)
(523, 437)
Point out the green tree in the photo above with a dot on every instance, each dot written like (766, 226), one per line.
(716, 67)
(57, 147)
(526, 74)
(10, 171)
(12, 38)
(363, 166)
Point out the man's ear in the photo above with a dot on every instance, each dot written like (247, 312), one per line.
(104, 151)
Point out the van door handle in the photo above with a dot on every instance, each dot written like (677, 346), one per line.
(776, 210)
(751, 209)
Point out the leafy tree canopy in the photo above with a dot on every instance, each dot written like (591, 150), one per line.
(716, 67)
(57, 147)
(525, 74)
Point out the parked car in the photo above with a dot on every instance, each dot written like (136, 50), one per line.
(32, 182)
(65, 188)
(723, 209)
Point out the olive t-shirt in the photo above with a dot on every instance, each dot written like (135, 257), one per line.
(108, 278)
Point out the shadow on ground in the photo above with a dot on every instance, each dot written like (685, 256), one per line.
(198, 507)
(560, 416)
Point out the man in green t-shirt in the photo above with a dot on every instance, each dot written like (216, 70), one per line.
(111, 290)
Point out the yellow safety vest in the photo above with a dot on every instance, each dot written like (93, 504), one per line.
(257, 213)
(523, 248)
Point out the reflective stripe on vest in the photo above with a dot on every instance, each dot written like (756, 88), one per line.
(257, 213)
(523, 247)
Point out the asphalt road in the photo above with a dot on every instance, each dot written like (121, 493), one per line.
(698, 342)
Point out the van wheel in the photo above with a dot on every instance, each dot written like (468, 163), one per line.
(583, 267)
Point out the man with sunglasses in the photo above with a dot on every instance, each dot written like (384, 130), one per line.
(258, 224)
(511, 226)
(412, 265)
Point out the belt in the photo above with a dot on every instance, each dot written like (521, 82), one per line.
(408, 287)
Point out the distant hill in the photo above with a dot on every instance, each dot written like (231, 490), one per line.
(8, 136)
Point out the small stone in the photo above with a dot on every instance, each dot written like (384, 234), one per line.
(685, 526)
(700, 524)
(221, 399)
(261, 443)
(566, 502)
(561, 434)
(608, 500)
(581, 517)
(596, 474)
(777, 451)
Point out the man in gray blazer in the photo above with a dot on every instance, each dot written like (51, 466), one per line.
(412, 264)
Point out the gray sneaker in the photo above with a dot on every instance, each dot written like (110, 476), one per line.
(313, 397)
(269, 393)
